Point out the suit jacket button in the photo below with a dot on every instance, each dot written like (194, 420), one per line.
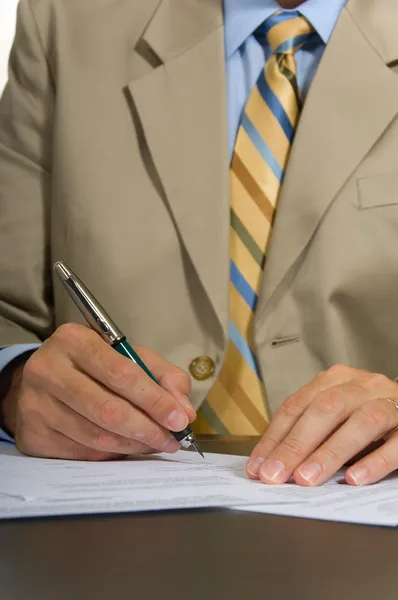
(202, 368)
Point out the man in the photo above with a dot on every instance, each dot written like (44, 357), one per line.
(258, 265)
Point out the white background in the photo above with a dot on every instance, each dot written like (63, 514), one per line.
(7, 30)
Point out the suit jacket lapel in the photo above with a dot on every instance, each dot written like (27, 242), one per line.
(182, 108)
(352, 100)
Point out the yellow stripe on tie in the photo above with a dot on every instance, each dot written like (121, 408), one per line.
(237, 401)
(229, 413)
(281, 32)
(247, 379)
(259, 169)
(256, 417)
(202, 427)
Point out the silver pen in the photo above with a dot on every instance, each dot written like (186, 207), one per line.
(100, 322)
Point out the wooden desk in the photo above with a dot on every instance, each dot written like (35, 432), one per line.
(196, 555)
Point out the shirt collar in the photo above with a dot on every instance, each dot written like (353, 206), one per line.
(242, 17)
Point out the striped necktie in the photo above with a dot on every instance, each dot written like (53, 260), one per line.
(237, 403)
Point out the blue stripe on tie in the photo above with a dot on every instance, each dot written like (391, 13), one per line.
(294, 42)
(244, 289)
(262, 147)
(275, 106)
(241, 344)
(266, 27)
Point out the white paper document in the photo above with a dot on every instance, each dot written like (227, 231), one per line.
(39, 487)
(336, 501)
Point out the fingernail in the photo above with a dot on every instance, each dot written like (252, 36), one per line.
(189, 406)
(310, 473)
(360, 475)
(171, 445)
(272, 471)
(254, 466)
(177, 421)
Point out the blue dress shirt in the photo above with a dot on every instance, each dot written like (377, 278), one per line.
(245, 57)
(6, 356)
(244, 60)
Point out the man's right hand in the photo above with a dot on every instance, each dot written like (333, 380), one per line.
(77, 398)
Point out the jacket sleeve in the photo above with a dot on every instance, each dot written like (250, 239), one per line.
(26, 116)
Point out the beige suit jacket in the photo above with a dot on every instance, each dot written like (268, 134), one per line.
(114, 158)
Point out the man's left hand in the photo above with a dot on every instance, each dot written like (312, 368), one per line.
(325, 424)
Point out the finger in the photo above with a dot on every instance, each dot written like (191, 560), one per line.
(366, 424)
(171, 378)
(46, 443)
(328, 410)
(129, 381)
(376, 465)
(93, 356)
(96, 404)
(291, 411)
(62, 419)
(111, 413)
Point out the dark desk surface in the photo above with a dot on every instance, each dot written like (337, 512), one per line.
(206, 554)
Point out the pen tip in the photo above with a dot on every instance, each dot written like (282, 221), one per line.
(194, 445)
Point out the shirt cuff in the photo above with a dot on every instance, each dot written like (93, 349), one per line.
(6, 356)
(4, 437)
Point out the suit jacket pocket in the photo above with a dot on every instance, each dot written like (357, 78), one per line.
(378, 191)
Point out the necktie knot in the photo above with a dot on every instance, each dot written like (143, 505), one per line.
(286, 32)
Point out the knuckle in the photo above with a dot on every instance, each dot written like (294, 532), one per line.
(329, 403)
(69, 334)
(111, 414)
(269, 441)
(319, 377)
(28, 410)
(339, 371)
(176, 379)
(40, 373)
(183, 378)
(333, 453)
(143, 351)
(105, 442)
(36, 368)
(160, 404)
(292, 407)
(374, 414)
(267, 445)
(293, 446)
(385, 463)
(154, 439)
(121, 375)
(378, 381)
